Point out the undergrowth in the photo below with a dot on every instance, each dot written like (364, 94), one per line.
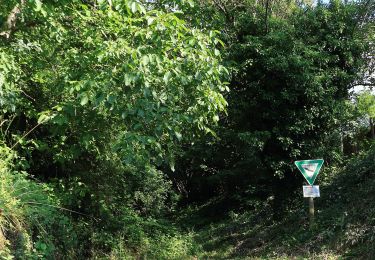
(31, 225)
(344, 225)
(34, 224)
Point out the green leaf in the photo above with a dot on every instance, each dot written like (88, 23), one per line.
(150, 20)
(145, 60)
(167, 77)
(84, 99)
(141, 8)
(128, 79)
(172, 165)
(38, 5)
(43, 118)
(134, 7)
(178, 135)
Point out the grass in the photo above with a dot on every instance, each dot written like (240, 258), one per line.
(344, 224)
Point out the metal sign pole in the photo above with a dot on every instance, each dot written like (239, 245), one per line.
(311, 211)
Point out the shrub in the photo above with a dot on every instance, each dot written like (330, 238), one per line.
(30, 221)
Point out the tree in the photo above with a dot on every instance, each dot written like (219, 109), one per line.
(289, 86)
(97, 96)
(366, 106)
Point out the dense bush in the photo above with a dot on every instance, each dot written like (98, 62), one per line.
(96, 97)
(32, 223)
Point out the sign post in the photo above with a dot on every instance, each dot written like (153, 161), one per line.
(310, 170)
(311, 212)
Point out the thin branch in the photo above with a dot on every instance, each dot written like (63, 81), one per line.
(12, 19)
(61, 208)
(10, 123)
(365, 84)
(29, 132)
(27, 95)
(224, 9)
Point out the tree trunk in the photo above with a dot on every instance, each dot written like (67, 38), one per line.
(266, 15)
(372, 128)
(3, 240)
(342, 141)
(11, 19)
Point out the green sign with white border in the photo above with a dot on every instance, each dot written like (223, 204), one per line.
(309, 169)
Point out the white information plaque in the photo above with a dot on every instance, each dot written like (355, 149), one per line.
(311, 191)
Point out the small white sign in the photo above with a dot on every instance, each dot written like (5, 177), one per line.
(311, 191)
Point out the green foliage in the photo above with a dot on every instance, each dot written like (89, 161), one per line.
(109, 112)
(366, 104)
(31, 223)
(147, 74)
(300, 89)
(9, 74)
(97, 98)
(292, 73)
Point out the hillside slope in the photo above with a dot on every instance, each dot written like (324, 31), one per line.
(344, 226)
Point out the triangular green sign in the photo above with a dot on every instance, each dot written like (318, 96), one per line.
(309, 169)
